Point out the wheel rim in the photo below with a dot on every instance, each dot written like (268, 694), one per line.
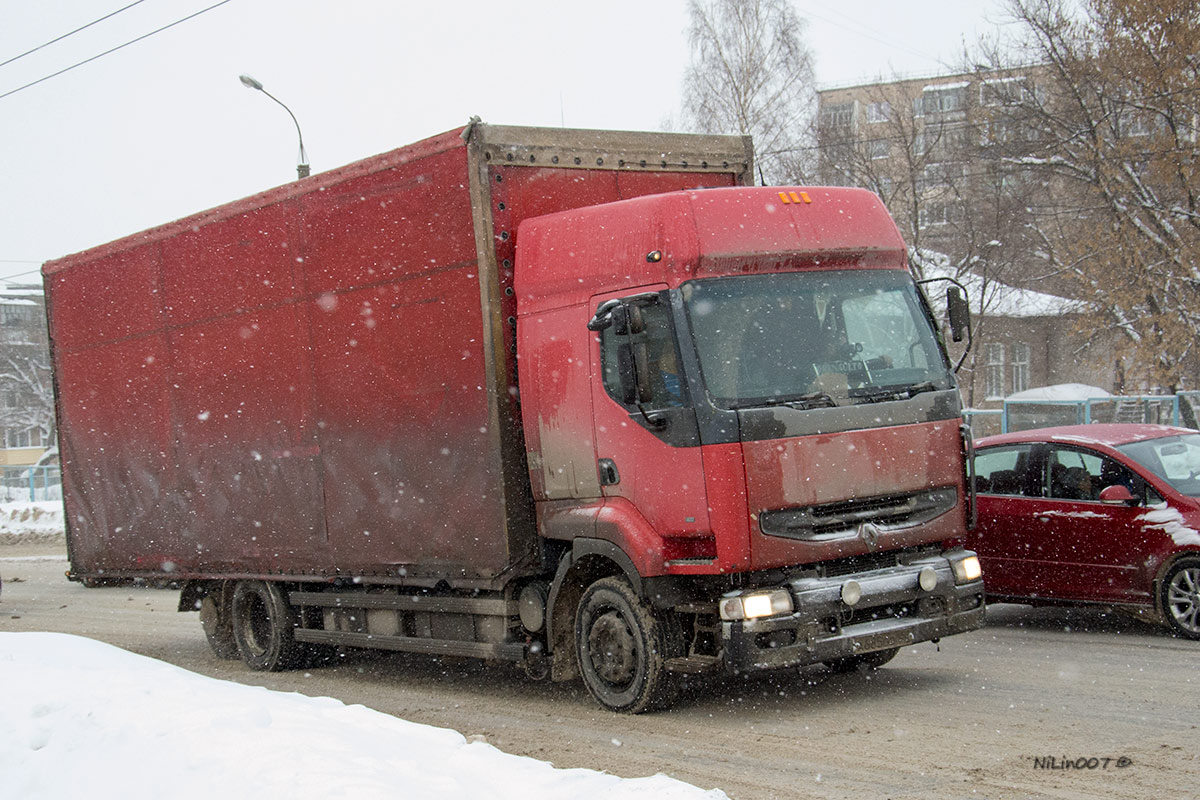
(1183, 599)
(256, 624)
(612, 649)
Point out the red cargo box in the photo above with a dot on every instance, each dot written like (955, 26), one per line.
(318, 381)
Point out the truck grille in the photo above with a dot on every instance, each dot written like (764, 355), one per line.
(838, 520)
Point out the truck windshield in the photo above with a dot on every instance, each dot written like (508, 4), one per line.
(813, 338)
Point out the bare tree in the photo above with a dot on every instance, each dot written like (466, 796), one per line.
(751, 74)
(1110, 134)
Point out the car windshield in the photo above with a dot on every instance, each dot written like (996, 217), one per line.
(844, 336)
(1175, 459)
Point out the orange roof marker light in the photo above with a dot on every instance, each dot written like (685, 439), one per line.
(794, 197)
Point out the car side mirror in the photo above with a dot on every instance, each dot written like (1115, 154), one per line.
(1118, 495)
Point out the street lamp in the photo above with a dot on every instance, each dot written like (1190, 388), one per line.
(302, 168)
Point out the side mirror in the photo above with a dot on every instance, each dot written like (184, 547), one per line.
(1118, 495)
(959, 313)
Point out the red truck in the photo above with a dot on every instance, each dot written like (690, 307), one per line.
(582, 400)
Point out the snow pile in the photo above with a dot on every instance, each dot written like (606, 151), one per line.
(82, 718)
(1170, 521)
(1061, 392)
(31, 521)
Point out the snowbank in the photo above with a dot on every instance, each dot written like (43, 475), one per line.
(82, 718)
(20, 522)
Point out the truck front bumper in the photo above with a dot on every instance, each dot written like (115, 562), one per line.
(892, 611)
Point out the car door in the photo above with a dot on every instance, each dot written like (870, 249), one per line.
(1091, 551)
(1009, 495)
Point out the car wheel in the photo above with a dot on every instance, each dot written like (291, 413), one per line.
(622, 646)
(1181, 598)
(865, 661)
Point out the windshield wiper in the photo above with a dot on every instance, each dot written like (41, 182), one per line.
(903, 393)
(802, 402)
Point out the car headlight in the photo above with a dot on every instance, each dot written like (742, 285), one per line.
(756, 604)
(967, 569)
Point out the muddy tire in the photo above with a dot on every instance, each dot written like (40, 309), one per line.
(622, 645)
(264, 627)
(217, 621)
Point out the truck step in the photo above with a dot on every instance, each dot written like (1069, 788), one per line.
(693, 665)
(487, 606)
(504, 651)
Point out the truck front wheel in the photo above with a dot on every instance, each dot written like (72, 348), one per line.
(264, 626)
(622, 646)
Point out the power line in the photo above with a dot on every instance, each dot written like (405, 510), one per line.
(113, 50)
(72, 33)
(19, 275)
(867, 33)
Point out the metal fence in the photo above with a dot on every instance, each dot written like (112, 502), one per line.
(31, 484)
(1020, 415)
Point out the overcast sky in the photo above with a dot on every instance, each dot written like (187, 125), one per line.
(162, 128)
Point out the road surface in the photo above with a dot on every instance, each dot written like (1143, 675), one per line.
(1044, 703)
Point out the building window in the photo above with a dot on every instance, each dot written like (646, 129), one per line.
(931, 214)
(942, 99)
(993, 371)
(1020, 367)
(877, 148)
(1005, 91)
(30, 437)
(940, 176)
(11, 314)
(879, 112)
(839, 115)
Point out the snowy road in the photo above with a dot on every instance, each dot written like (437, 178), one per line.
(1023, 708)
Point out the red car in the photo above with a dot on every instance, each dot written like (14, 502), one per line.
(1105, 514)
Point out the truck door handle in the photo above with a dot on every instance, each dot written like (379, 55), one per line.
(608, 472)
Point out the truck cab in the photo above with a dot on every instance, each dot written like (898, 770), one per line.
(741, 397)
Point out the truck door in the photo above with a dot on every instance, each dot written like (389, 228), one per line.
(647, 445)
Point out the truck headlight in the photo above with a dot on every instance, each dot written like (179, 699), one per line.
(967, 569)
(757, 604)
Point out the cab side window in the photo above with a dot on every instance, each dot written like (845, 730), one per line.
(655, 358)
(1005, 470)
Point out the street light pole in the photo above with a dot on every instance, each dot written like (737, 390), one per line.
(302, 168)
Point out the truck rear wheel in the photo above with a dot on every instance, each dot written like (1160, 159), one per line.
(622, 646)
(218, 625)
(264, 627)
